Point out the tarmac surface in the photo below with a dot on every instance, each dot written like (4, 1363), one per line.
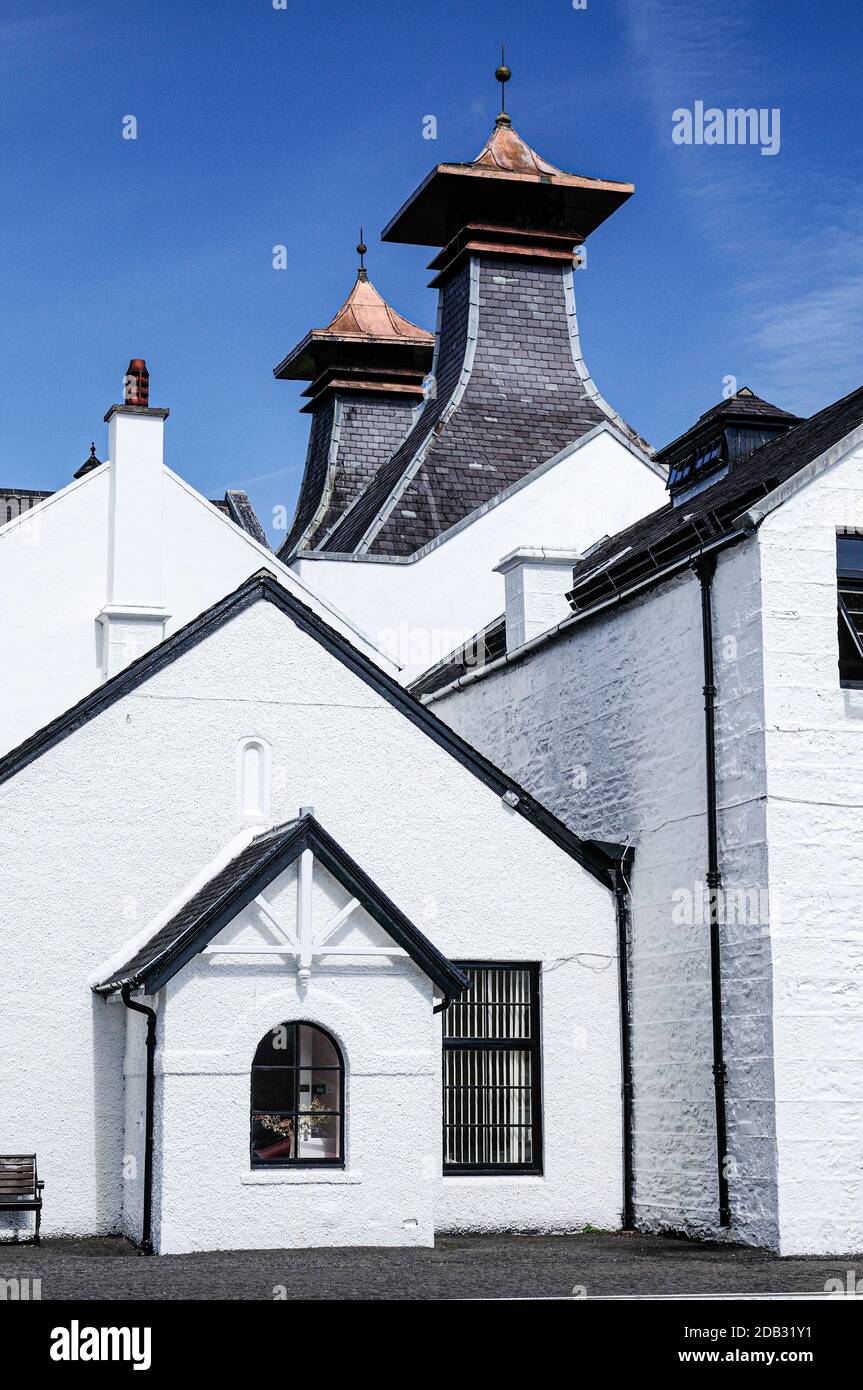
(471, 1267)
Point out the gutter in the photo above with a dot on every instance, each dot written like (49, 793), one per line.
(150, 1015)
(705, 569)
(543, 638)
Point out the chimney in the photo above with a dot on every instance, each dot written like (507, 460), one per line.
(537, 580)
(133, 619)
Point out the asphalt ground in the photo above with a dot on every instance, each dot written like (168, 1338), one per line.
(470, 1267)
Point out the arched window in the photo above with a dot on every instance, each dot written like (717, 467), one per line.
(253, 778)
(297, 1098)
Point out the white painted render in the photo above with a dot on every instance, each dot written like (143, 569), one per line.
(380, 1011)
(605, 724)
(814, 739)
(112, 823)
(133, 619)
(70, 569)
(536, 581)
(418, 610)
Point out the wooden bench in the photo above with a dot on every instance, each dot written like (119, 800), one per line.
(20, 1188)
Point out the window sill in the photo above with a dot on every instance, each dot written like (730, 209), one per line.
(298, 1177)
(496, 1179)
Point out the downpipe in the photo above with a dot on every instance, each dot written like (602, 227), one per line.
(621, 898)
(705, 569)
(149, 1107)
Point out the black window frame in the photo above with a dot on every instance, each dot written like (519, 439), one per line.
(849, 588)
(532, 1045)
(262, 1165)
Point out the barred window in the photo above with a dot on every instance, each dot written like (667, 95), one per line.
(849, 572)
(491, 1073)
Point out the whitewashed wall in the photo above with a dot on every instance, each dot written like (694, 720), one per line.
(815, 821)
(418, 611)
(54, 583)
(212, 1018)
(128, 808)
(606, 726)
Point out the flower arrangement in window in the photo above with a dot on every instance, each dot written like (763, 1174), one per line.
(310, 1126)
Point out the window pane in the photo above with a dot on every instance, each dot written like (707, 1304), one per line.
(278, 1047)
(297, 1097)
(319, 1136)
(849, 555)
(319, 1090)
(316, 1049)
(273, 1138)
(273, 1088)
(487, 1106)
(497, 1005)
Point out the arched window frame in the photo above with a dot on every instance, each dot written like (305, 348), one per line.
(296, 1111)
(263, 798)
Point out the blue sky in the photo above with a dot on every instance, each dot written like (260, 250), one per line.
(259, 126)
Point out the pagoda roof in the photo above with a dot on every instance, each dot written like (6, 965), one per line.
(507, 182)
(365, 318)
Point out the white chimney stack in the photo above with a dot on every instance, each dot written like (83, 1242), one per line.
(134, 617)
(537, 580)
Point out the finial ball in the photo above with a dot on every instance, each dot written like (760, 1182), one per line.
(361, 248)
(503, 73)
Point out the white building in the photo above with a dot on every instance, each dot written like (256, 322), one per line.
(732, 588)
(290, 959)
(199, 876)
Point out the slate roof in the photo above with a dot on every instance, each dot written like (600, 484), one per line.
(346, 448)
(240, 510)
(710, 515)
(638, 554)
(224, 887)
(522, 403)
(743, 404)
(372, 361)
(240, 881)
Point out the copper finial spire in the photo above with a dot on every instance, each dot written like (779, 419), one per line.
(362, 274)
(503, 75)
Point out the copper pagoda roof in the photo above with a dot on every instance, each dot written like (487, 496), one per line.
(508, 183)
(364, 320)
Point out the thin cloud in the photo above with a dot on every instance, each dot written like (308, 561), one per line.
(798, 294)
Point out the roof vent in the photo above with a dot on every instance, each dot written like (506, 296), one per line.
(721, 438)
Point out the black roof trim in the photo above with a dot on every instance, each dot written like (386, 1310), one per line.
(263, 587)
(236, 885)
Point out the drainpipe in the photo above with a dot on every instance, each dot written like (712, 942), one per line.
(150, 1015)
(621, 899)
(705, 569)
